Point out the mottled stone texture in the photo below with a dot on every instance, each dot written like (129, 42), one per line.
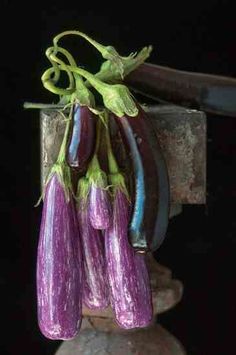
(150, 341)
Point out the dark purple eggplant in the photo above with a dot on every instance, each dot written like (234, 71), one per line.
(82, 141)
(211, 93)
(150, 213)
(59, 265)
(131, 298)
(95, 283)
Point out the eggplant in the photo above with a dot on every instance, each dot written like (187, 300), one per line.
(150, 213)
(211, 93)
(59, 265)
(128, 277)
(95, 284)
(99, 207)
(99, 204)
(82, 140)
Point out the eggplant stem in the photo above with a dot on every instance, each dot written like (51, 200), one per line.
(94, 164)
(62, 153)
(107, 52)
(40, 106)
(113, 166)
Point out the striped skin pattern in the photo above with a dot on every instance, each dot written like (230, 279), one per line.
(95, 285)
(99, 207)
(59, 266)
(127, 272)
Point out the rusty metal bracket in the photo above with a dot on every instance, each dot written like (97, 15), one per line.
(182, 135)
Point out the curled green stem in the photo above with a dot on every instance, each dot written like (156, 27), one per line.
(49, 81)
(56, 70)
(116, 98)
(80, 91)
(50, 86)
(96, 83)
(107, 52)
(50, 56)
(67, 54)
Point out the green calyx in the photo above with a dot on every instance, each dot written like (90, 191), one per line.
(62, 170)
(82, 94)
(82, 192)
(109, 72)
(118, 100)
(83, 188)
(96, 175)
(117, 182)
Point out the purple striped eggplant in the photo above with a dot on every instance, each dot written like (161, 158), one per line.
(99, 203)
(82, 140)
(59, 265)
(127, 272)
(150, 214)
(95, 284)
(99, 206)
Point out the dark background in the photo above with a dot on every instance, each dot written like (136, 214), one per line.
(201, 245)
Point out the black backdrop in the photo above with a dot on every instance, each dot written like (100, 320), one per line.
(200, 246)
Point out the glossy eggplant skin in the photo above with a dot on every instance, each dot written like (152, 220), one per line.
(99, 207)
(59, 266)
(127, 272)
(211, 93)
(95, 283)
(150, 213)
(82, 140)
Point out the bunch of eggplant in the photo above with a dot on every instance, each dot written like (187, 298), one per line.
(94, 236)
